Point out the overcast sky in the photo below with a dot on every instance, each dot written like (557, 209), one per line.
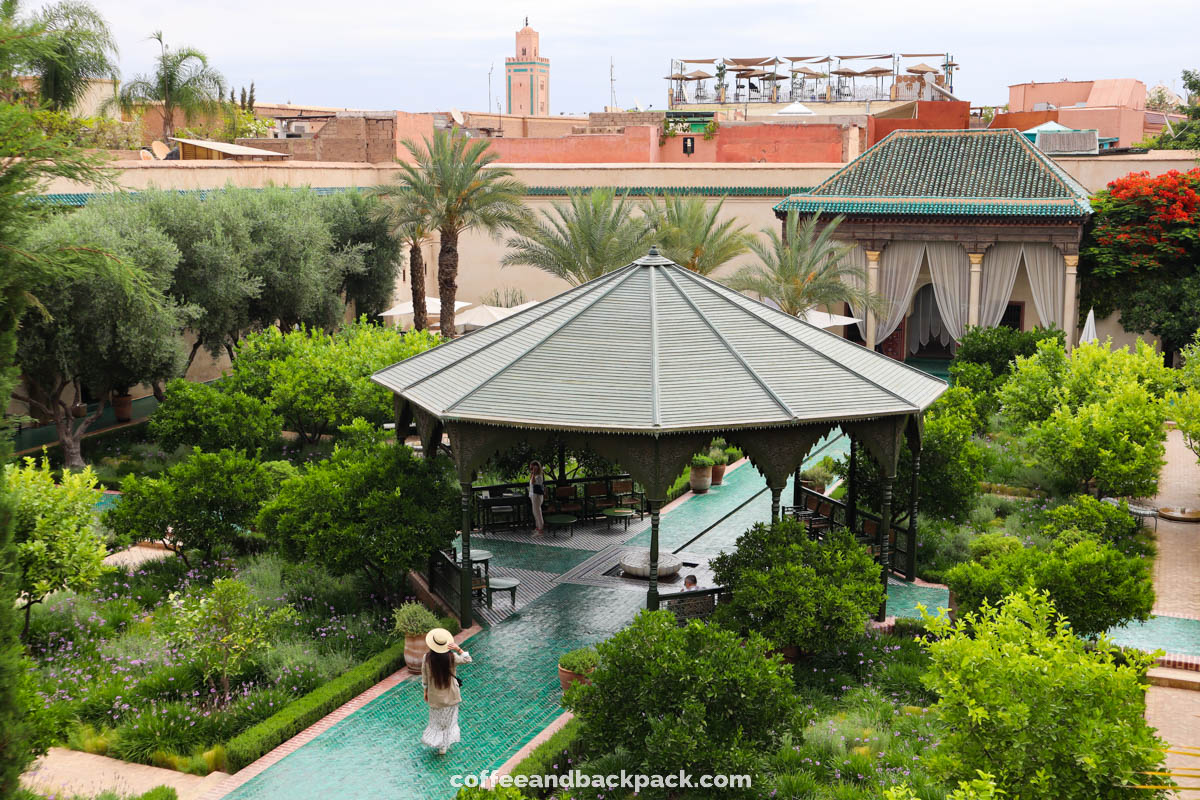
(431, 56)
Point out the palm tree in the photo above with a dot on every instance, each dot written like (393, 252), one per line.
(690, 235)
(411, 221)
(182, 80)
(80, 49)
(804, 269)
(592, 234)
(452, 178)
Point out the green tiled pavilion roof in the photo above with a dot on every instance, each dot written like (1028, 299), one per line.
(992, 172)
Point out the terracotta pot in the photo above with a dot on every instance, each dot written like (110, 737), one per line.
(701, 479)
(791, 654)
(566, 678)
(79, 410)
(414, 652)
(718, 474)
(123, 407)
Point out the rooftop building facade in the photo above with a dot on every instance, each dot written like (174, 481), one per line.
(527, 77)
(1115, 108)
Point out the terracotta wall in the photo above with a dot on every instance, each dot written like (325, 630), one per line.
(1023, 96)
(636, 145)
(783, 143)
(411, 126)
(523, 126)
(1023, 120)
(931, 115)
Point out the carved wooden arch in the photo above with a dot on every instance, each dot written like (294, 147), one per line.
(778, 452)
(882, 438)
(472, 444)
(653, 461)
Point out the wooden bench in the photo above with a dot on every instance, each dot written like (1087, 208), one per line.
(502, 585)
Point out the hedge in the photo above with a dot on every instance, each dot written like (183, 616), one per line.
(252, 744)
(549, 757)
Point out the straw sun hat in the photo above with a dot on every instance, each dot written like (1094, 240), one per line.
(439, 640)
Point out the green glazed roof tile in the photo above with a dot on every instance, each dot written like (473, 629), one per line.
(993, 172)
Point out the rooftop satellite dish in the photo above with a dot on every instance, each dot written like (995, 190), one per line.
(160, 150)
(637, 104)
(457, 116)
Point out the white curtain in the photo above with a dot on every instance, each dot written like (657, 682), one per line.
(925, 322)
(898, 268)
(951, 272)
(1000, 264)
(857, 258)
(1047, 273)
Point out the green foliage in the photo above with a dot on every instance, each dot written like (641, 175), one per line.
(797, 591)
(1106, 523)
(982, 788)
(496, 793)
(582, 661)
(57, 545)
(222, 630)
(718, 456)
(593, 233)
(701, 461)
(318, 381)
(1074, 731)
(1186, 406)
(688, 231)
(358, 225)
(985, 358)
(951, 463)
(259, 740)
(554, 756)
(99, 132)
(77, 48)
(413, 619)
(804, 268)
(201, 415)
(1093, 585)
(721, 701)
(205, 502)
(1140, 253)
(378, 509)
(182, 81)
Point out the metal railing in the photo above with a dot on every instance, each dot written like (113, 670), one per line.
(444, 578)
(697, 604)
(485, 500)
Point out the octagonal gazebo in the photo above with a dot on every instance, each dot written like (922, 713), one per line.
(645, 365)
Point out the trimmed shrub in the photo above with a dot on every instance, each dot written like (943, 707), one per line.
(581, 661)
(555, 756)
(201, 415)
(256, 742)
(1105, 522)
(797, 591)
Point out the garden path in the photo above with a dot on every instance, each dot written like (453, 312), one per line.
(70, 773)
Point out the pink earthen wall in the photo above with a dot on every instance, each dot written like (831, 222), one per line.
(411, 126)
(636, 145)
(1023, 96)
(931, 115)
(782, 143)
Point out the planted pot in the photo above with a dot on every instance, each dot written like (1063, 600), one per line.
(566, 678)
(700, 479)
(414, 652)
(718, 474)
(79, 410)
(123, 407)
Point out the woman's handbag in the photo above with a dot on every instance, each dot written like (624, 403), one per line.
(460, 680)
(539, 488)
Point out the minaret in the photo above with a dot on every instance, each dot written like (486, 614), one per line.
(527, 77)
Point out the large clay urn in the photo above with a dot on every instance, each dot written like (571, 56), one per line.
(414, 652)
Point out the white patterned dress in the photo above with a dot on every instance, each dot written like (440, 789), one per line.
(442, 730)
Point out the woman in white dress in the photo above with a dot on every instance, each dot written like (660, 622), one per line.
(537, 493)
(441, 688)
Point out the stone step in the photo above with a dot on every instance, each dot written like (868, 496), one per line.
(1174, 678)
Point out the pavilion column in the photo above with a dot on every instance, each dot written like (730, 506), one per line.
(1070, 315)
(776, 494)
(652, 592)
(873, 288)
(466, 586)
(883, 537)
(797, 495)
(910, 556)
(976, 288)
(852, 487)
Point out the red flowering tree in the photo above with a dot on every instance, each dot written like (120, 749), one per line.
(1142, 255)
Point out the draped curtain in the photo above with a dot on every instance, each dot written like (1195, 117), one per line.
(925, 322)
(898, 268)
(857, 258)
(951, 272)
(1000, 265)
(1047, 274)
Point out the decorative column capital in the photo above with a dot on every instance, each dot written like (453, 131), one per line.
(1071, 261)
(976, 260)
(873, 256)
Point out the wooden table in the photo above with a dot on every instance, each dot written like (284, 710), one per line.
(482, 557)
(561, 521)
(618, 513)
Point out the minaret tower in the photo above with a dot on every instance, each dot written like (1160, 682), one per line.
(527, 77)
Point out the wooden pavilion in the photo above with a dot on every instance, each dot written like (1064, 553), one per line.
(645, 366)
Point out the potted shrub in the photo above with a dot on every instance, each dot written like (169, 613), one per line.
(720, 460)
(122, 404)
(701, 477)
(413, 621)
(816, 477)
(576, 666)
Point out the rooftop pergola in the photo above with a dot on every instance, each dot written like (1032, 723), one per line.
(645, 366)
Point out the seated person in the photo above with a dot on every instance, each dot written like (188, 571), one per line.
(690, 584)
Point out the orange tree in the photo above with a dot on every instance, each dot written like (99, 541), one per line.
(1142, 255)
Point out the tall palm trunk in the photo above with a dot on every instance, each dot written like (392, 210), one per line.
(447, 276)
(416, 277)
